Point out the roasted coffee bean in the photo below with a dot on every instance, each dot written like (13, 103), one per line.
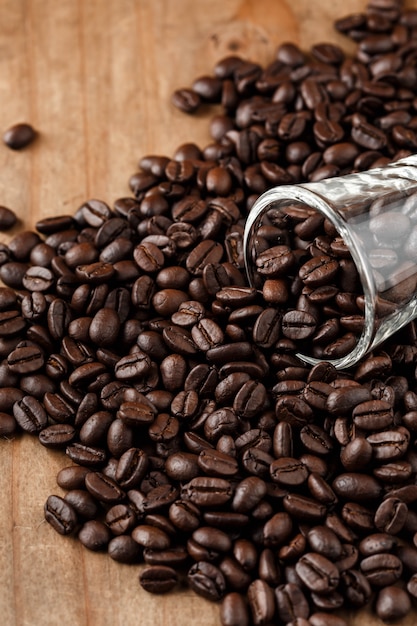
(261, 601)
(389, 444)
(7, 218)
(60, 515)
(392, 603)
(72, 477)
(83, 503)
(248, 494)
(57, 435)
(133, 366)
(151, 537)
(88, 456)
(357, 454)
(19, 136)
(30, 414)
(124, 549)
(216, 463)
(304, 508)
(277, 529)
(391, 515)
(324, 541)
(234, 610)
(317, 572)
(207, 491)
(288, 471)
(381, 569)
(356, 487)
(103, 488)
(131, 468)
(120, 518)
(207, 580)
(94, 535)
(291, 602)
(158, 579)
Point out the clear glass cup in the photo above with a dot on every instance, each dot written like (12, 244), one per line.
(363, 223)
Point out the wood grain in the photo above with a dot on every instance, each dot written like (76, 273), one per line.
(95, 77)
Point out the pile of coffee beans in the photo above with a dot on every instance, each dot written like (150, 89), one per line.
(199, 443)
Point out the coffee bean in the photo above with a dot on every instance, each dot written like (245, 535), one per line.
(208, 491)
(30, 414)
(60, 515)
(94, 535)
(391, 515)
(186, 100)
(233, 610)
(150, 537)
(207, 580)
(158, 579)
(317, 572)
(288, 471)
(57, 435)
(124, 549)
(381, 569)
(19, 136)
(7, 218)
(392, 603)
(356, 487)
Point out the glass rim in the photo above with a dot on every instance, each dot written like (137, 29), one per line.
(302, 193)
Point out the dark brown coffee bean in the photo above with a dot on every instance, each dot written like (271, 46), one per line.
(318, 271)
(317, 572)
(288, 471)
(204, 253)
(291, 602)
(88, 456)
(381, 569)
(389, 444)
(7, 218)
(83, 503)
(151, 537)
(124, 549)
(261, 601)
(357, 487)
(57, 435)
(19, 136)
(216, 463)
(208, 491)
(304, 508)
(60, 515)
(391, 515)
(158, 579)
(234, 610)
(94, 535)
(131, 468)
(207, 580)
(392, 603)
(30, 414)
(249, 492)
(277, 529)
(8, 425)
(186, 100)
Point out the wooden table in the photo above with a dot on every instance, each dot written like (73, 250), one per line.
(95, 78)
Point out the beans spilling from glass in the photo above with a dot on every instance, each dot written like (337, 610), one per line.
(198, 442)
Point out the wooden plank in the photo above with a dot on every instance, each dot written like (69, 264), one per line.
(95, 78)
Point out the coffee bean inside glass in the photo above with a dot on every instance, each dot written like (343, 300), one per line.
(338, 259)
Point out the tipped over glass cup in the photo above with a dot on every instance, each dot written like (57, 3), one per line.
(337, 259)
